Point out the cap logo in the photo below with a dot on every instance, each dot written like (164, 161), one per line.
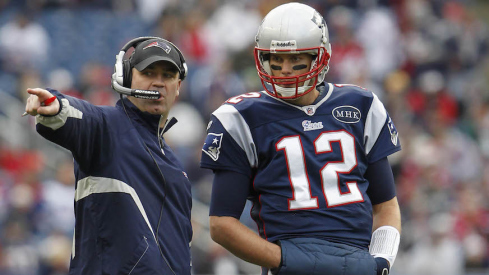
(160, 45)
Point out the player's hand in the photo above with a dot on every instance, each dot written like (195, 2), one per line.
(34, 104)
(382, 266)
(276, 270)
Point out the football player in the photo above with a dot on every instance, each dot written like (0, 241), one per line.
(311, 156)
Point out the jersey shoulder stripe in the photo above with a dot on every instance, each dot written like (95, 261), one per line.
(234, 123)
(376, 118)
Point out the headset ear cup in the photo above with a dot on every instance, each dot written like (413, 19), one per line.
(127, 74)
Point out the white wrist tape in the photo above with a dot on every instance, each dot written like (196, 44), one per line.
(385, 243)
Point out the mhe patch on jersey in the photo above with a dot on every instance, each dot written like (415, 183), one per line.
(347, 114)
(212, 145)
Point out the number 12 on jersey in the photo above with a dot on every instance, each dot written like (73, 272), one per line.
(329, 173)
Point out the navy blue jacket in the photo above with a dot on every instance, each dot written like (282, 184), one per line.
(129, 220)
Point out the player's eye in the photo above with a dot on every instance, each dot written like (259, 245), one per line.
(296, 58)
(276, 58)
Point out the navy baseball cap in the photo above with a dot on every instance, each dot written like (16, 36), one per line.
(153, 50)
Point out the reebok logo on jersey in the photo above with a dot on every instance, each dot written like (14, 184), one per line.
(212, 145)
(309, 126)
(347, 114)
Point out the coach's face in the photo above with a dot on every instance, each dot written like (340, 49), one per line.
(161, 76)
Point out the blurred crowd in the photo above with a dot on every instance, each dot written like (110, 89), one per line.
(427, 60)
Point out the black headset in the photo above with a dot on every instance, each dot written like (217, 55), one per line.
(122, 76)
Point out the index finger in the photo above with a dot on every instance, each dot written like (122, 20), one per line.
(36, 91)
(42, 94)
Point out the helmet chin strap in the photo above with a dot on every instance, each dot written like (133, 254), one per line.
(288, 92)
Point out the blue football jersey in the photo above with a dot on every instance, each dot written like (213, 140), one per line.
(307, 163)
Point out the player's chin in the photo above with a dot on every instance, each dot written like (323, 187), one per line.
(286, 85)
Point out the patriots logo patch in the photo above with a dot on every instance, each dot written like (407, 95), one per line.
(160, 45)
(212, 145)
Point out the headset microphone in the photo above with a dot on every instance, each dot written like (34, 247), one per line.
(145, 94)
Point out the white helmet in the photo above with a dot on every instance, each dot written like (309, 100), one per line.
(292, 28)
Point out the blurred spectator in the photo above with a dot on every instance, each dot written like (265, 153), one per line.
(24, 43)
(57, 201)
(348, 64)
(54, 251)
(28, 78)
(186, 136)
(437, 252)
(63, 79)
(19, 255)
(150, 10)
(380, 38)
(231, 29)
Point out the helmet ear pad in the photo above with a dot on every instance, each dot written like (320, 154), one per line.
(127, 73)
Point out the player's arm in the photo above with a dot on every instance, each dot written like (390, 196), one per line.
(386, 215)
(229, 193)
(243, 242)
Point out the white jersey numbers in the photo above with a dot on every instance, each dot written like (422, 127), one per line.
(239, 98)
(299, 180)
(301, 189)
(331, 171)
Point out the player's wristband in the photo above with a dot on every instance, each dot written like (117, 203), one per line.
(382, 266)
(385, 243)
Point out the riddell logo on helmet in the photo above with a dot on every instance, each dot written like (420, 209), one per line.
(283, 44)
